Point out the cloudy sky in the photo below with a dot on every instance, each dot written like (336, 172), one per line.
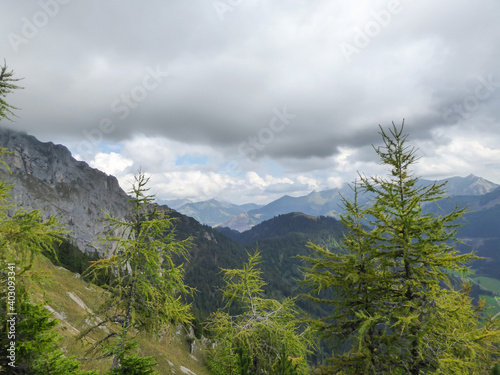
(248, 100)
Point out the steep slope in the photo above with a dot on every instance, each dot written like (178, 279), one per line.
(69, 303)
(45, 176)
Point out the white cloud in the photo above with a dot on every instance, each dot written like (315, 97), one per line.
(335, 182)
(462, 156)
(112, 163)
(311, 183)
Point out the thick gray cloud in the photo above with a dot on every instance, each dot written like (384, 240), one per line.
(209, 73)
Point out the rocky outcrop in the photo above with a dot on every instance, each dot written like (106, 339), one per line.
(45, 176)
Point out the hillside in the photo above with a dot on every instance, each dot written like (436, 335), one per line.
(480, 228)
(45, 176)
(69, 303)
(281, 240)
(312, 227)
(286, 236)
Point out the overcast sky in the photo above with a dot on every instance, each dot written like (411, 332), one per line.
(248, 100)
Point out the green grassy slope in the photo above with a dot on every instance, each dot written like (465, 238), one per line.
(69, 297)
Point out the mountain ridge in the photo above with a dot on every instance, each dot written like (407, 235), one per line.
(328, 202)
(214, 212)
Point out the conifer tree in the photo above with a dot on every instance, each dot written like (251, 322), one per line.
(264, 336)
(7, 85)
(146, 286)
(393, 303)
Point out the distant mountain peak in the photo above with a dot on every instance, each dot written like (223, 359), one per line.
(214, 212)
(469, 185)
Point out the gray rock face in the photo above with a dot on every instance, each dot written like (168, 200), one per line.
(45, 176)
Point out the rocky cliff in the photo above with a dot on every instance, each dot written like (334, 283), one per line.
(45, 176)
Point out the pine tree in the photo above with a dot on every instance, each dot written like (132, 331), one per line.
(393, 303)
(251, 337)
(146, 286)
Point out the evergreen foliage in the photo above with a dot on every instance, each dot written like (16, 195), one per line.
(7, 85)
(393, 306)
(36, 342)
(69, 256)
(250, 341)
(146, 287)
(133, 364)
(285, 365)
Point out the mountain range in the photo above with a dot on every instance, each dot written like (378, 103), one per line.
(47, 177)
(322, 203)
(213, 212)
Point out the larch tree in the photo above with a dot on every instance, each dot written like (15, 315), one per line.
(7, 86)
(146, 287)
(393, 305)
(261, 335)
